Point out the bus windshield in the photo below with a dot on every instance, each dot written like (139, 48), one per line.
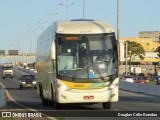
(87, 56)
(7, 68)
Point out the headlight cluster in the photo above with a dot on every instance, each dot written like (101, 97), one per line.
(23, 82)
(113, 86)
(63, 87)
(34, 82)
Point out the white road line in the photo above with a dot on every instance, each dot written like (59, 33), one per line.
(23, 106)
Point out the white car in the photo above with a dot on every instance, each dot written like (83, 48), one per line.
(128, 79)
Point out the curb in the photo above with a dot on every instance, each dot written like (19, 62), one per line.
(2, 98)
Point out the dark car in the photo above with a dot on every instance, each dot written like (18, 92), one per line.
(158, 80)
(141, 74)
(28, 81)
(142, 79)
(128, 79)
(154, 78)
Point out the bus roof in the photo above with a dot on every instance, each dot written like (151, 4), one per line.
(83, 27)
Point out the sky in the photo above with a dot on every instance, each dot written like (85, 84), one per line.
(19, 18)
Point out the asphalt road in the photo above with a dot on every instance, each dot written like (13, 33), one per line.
(128, 101)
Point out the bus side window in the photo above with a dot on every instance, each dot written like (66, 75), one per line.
(115, 55)
(54, 64)
(59, 41)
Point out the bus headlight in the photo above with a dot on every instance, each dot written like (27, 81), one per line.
(34, 82)
(63, 87)
(113, 86)
(23, 82)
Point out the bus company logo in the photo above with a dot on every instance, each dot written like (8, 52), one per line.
(79, 86)
(6, 114)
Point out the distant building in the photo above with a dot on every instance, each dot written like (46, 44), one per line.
(147, 43)
(149, 46)
(154, 35)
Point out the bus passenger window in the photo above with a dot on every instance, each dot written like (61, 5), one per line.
(59, 41)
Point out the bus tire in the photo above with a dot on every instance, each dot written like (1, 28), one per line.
(54, 103)
(44, 101)
(106, 105)
(20, 87)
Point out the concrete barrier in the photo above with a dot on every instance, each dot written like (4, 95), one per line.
(27, 71)
(133, 87)
(2, 98)
(140, 88)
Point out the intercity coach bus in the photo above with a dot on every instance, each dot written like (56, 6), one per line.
(77, 62)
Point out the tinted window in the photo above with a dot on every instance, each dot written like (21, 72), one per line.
(28, 77)
(128, 77)
(141, 74)
(142, 78)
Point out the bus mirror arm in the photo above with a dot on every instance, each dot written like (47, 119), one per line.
(53, 63)
(53, 56)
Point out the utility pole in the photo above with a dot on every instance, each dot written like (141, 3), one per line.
(84, 9)
(66, 6)
(118, 19)
(35, 30)
(42, 23)
(126, 56)
(30, 54)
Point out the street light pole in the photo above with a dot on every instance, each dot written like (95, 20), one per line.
(84, 9)
(66, 6)
(30, 54)
(42, 23)
(52, 14)
(35, 30)
(118, 19)
(126, 56)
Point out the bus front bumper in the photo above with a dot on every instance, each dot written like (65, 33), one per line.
(87, 96)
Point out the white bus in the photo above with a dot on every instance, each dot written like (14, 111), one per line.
(77, 62)
(7, 70)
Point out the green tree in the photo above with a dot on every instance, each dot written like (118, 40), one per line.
(158, 50)
(135, 49)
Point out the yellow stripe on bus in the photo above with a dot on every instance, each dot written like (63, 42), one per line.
(83, 85)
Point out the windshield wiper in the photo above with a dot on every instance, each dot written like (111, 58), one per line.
(101, 76)
(75, 73)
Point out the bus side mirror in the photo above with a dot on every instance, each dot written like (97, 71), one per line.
(53, 49)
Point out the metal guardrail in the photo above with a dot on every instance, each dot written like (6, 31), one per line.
(140, 88)
(2, 98)
(27, 71)
(133, 87)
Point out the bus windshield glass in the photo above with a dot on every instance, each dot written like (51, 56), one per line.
(87, 56)
(7, 68)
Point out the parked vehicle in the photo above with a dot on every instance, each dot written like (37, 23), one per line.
(141, 74)
(158, 80)
(80, 63)
(128, 79)
(129, 74)
(7, 70)
(27, 81)
(142, 79)
(154, 78)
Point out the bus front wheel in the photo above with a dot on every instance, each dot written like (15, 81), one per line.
(55, 104)
(44, 101)
(106, 105)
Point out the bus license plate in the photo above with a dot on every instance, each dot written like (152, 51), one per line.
(29, 85)
(88, 97)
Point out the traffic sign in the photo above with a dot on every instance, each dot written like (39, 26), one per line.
(13, 52)
(2, 52)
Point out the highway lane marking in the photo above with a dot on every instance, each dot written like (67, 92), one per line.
(23, 106)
